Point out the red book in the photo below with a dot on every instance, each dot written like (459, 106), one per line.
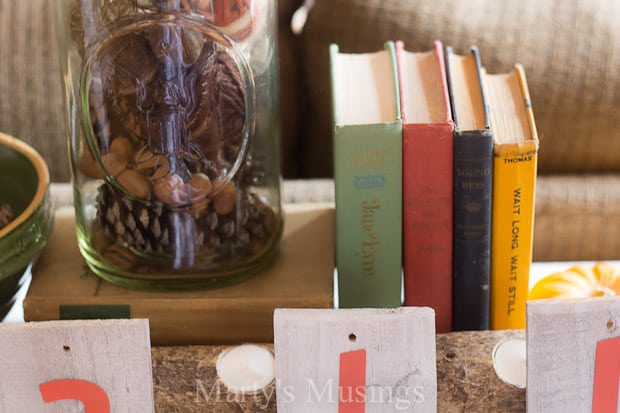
(427, 181)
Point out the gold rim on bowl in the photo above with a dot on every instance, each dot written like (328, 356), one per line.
(42, 184)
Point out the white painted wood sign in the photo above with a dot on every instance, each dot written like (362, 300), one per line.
(95, 366)
(573, 355)
(355, 360)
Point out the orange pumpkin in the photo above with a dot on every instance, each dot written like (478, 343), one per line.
(579, 281)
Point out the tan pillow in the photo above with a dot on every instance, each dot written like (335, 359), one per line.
(570, 51)
(31, 106)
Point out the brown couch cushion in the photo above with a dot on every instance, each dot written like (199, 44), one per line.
(577, 217)
(570, 51)
(31, 106)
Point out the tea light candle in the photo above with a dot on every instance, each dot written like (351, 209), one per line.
(246, 368)
(509, 361)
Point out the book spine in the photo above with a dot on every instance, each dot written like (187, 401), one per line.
(427, 218)
(368, 185)
(473, 184)
(514, 184)
(368, 189)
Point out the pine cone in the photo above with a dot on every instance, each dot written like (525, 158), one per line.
(157, 229)
(130, 222)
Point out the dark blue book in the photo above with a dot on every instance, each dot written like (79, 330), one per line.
(473, 182)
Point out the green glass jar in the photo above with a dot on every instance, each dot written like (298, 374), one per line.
(172, 111)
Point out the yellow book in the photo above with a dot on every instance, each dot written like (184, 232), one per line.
(514, 184)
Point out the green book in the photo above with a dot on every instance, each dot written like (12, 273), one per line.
(368, 177)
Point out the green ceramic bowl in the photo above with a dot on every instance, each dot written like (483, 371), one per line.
(24, 184)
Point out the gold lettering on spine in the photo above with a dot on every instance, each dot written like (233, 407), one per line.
(370, 243)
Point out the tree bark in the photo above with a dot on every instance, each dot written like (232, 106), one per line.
(185, 378)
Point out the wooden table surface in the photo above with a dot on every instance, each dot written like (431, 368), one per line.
(185, 379)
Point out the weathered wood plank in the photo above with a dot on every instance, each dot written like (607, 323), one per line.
(112, 357)
(466, 381)
(562, 342)
(398, 371)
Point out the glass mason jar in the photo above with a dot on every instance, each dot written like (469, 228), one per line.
(172, 111)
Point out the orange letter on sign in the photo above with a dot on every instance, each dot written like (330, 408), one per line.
(93, 397)
(606, 376)
(352, 386)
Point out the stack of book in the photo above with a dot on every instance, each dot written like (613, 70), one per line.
(435, 172)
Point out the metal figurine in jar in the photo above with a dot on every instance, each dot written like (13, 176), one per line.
(172, 113)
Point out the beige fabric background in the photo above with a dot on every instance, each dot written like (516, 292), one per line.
(31, 106)
(570, 51)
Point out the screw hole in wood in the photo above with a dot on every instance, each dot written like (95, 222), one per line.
(352, 337)
(611, 325)
(66, 348)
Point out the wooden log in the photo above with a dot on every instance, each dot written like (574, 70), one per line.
(185, 379)
(466, 380)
